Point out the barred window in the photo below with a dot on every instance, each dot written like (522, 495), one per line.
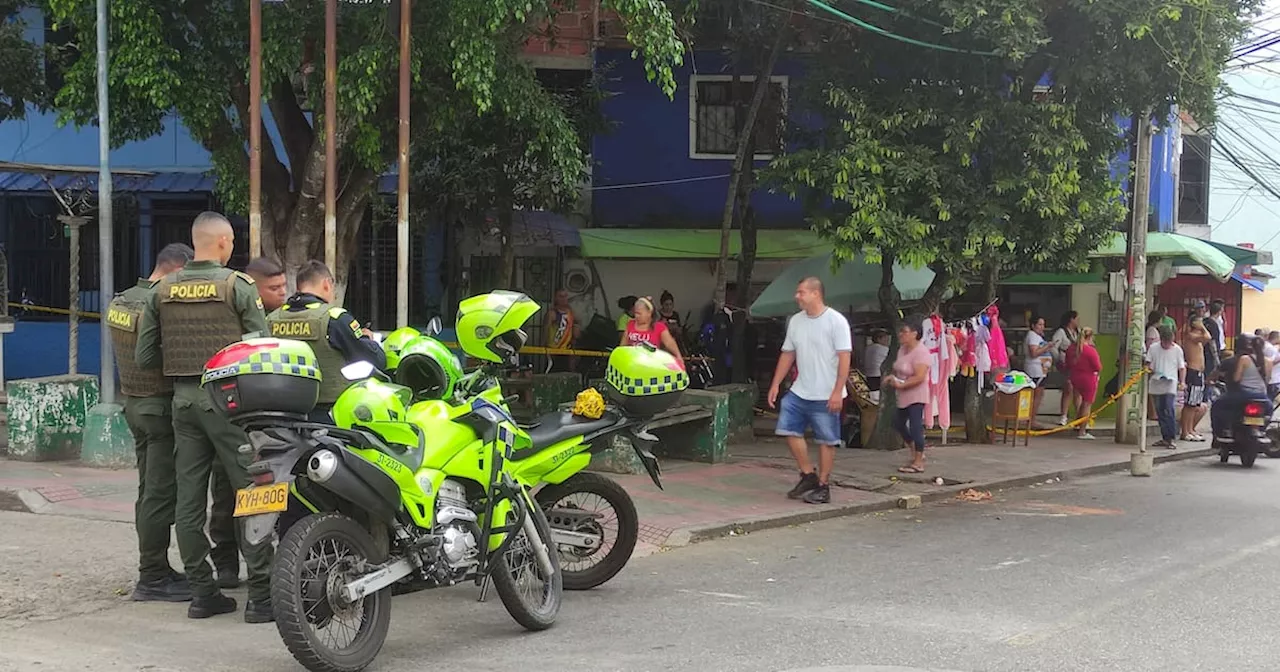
(713, 126)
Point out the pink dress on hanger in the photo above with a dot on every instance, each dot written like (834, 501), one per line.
(999, 355)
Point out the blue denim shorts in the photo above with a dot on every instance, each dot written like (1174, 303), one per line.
(795, 415)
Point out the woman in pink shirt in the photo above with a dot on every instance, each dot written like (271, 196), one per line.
(644, 329)
(910, 371)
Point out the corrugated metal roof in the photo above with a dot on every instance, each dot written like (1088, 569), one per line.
(164, 183)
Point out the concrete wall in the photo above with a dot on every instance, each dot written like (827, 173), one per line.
(1260, 310)
(46, 416)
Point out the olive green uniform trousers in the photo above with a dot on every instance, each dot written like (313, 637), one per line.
(151, 423)
(222, 526)
(203, 435)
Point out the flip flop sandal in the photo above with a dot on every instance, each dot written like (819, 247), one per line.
(910, 470)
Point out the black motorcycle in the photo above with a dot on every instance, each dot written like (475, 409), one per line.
(1248, 436)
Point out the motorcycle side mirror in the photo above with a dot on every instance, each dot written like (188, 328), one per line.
(357, 370)
(435, 326)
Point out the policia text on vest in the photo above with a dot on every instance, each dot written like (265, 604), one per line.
(335, 337)
(190, 316)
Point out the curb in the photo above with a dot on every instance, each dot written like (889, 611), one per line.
(696, 534)
(22, 501)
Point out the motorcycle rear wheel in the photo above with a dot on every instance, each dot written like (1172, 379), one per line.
(538, 610)
(301, 580)
(596, 568)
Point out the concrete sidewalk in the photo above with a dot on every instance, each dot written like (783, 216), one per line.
(700, 501)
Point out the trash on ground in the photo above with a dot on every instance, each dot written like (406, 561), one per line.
(973, 495)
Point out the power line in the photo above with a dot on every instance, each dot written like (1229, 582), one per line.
(894, 36)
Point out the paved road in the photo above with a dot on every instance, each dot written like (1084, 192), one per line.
(1176, 572)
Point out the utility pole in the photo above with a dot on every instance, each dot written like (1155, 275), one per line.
(1131, 422)
(402, 186)
(106, 255)
(255, 128)
(331, 134)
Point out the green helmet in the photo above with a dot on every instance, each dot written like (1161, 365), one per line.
(428, 368)
(395, 342)
(489, 325)
(371, 400)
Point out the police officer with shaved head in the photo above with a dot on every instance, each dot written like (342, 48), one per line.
(333, 334)
(148, 400)
(194, 313)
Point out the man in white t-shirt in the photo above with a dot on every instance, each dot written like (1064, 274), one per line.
(873, 358)
(1168, 376)
(1272, 351)
(819, 344)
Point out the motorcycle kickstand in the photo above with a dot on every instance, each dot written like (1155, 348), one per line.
(484, 589)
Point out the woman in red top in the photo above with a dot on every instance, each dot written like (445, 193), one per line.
(1085, 366)
(644, 329)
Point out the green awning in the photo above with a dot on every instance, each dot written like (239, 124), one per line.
(1053, 279)
(696, 244)
(1181, 250)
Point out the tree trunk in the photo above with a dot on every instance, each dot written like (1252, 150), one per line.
(975, 421)
(508, 267)
(742, 157)
(885, 436)
(746, 264)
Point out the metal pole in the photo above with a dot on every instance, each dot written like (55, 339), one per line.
(106, 255)
(402, 189)
(73, 223)
(255, 128)
(331, 134)
(1131, 424)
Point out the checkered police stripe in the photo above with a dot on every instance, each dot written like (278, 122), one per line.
(669, 382)
(281, 364)
(507, 439)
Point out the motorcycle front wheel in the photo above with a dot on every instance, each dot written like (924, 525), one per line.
(324, 632)
(592, 504)
(529, 595)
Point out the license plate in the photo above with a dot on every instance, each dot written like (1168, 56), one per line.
(253, 501)
(1255, 422)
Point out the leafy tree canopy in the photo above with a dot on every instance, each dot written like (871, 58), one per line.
(21, 75)
(192, 58)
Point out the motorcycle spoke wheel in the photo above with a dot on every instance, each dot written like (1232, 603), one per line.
(530, 596)
(323, 631)
(589, 513)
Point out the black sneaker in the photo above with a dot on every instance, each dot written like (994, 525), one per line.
(258, 611)
(807, 482)
(819, 495)
(228, 578)
(161, 590)
(178, 577)
(213, 605)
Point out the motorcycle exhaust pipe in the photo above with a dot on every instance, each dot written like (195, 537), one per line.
(327, 469)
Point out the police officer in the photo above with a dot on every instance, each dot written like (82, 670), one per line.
(148, 398)
(272, 286)
(334, 335)
(194, 313)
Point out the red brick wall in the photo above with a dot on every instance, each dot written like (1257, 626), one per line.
(574, 31)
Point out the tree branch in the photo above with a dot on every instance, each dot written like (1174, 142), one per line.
(296, 132)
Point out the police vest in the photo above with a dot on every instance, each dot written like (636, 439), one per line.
(124, 318)
(312, 325)
(198, 318)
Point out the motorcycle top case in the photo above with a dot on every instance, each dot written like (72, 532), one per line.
(643, 380)
(263, 374)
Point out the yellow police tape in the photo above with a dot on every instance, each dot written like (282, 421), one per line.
(1133, 380)
(55, 311)
(527, 350)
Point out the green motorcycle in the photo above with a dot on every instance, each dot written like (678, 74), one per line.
(428, 500)
(593, 519)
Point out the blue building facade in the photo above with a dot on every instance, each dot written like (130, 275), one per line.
(649, 173)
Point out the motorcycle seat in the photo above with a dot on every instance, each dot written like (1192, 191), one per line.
(558, 426)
